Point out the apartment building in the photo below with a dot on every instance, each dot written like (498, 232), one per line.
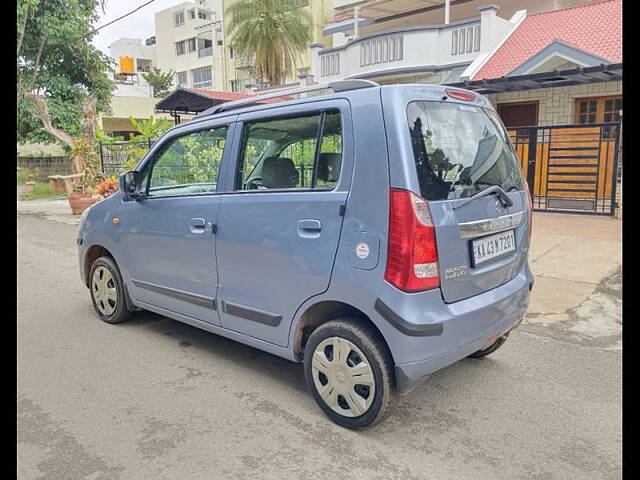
(185, 42)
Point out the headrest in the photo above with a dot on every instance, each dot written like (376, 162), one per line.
(279, 172)
(329, 166)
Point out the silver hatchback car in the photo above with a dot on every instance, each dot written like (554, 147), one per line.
(375, 233)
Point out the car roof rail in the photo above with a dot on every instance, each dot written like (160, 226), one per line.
(337, 86)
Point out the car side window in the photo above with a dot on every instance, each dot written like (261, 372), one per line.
(187, 165)
(303, 152)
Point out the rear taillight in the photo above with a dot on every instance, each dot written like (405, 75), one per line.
(412, 253)
(530, 210)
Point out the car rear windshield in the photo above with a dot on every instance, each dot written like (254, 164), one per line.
(460, 149)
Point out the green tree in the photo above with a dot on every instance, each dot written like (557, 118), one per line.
(270, 33)
(160, 81)
(149, 129)
(62, 81)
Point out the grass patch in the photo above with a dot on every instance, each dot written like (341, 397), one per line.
(22, 176)
(41, 190)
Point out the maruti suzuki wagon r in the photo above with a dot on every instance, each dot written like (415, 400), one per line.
(375, 233)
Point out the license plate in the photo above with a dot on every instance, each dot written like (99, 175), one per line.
(493, 246)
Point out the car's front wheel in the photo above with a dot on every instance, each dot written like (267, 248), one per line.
(107, 291)
(348, 370)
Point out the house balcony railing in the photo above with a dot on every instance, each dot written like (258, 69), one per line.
(205, 52)
(402, 50)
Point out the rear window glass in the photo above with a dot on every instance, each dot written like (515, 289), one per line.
(459, 150)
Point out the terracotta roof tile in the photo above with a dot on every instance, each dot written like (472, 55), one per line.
(226, 96)
(230, 96)
(595, 28)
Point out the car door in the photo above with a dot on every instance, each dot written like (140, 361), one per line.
(169, 234)
(279, 227)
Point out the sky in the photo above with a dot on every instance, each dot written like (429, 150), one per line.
(136, 25)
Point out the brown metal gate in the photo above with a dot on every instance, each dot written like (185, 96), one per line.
(570, 168)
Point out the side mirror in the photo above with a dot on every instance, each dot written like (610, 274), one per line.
(130, 184)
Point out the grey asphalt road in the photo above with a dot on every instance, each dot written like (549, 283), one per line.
(155, 399)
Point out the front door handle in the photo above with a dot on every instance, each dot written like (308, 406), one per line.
(197, 225)
(309, 224)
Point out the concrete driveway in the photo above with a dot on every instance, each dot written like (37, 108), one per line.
(155, 399)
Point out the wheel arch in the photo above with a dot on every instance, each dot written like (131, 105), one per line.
(324, 311)
(96, 251)
(91, 255)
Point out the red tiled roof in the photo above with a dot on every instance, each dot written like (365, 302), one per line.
(340, 18)
(595, 28)
(230, 96)
(226, 96)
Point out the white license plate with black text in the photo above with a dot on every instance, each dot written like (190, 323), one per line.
(493, 246)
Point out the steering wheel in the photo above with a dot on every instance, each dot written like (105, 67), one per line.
(253, 184)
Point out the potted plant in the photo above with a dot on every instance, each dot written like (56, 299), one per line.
(108, 187)
(85, 192)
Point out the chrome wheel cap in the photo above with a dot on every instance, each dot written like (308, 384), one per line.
(103, 288)
(343, 377)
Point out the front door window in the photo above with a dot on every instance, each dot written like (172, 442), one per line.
(187, 165)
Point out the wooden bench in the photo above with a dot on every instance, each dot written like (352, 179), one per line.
(64, 183)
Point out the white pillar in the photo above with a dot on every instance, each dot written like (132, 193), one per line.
(447, 7)
(356, 20)
(315, 63)
(488, 35)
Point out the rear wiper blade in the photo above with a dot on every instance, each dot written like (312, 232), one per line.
(497, 189)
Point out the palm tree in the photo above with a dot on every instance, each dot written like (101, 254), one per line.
(271, 32)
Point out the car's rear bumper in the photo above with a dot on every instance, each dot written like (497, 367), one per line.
(459, 329)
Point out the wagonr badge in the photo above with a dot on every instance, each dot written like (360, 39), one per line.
(454, 272)
(326, 230)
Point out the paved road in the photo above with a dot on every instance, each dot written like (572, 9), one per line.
(156, 399)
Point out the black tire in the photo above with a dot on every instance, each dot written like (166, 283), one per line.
(491, 348)
(377, 358)
(120, 313)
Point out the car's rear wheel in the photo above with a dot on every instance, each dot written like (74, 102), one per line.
(491, 348)
(348, 370)
(107, 291)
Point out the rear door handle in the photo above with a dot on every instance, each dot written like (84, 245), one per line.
(197, 225)
(309, 228)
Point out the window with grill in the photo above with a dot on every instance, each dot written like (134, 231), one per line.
(178, 18)
(180, 48)
(181, 79)
(236, 86)
(599, 110)
(201, 77)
